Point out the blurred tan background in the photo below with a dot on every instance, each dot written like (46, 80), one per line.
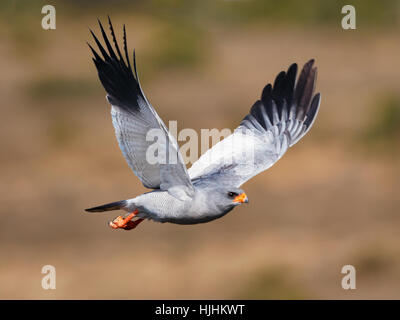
(332, 200)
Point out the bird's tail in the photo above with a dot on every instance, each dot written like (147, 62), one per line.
(118, 205)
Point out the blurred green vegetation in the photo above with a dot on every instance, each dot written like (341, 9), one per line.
(178, 46)
(384, 127)
(272, 283)
(181, 38)
(61, 131)
(48, 88)
(372, 260)
(369, 12)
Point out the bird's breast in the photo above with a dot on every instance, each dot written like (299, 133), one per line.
(162, 207)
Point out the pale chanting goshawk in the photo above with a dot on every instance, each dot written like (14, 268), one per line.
(211, 187)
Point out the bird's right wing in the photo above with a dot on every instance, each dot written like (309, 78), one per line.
(277, 121)
(134, 118)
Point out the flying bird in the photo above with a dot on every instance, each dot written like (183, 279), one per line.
(210, 189)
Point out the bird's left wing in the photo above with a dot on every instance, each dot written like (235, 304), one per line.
(134, 118)
(283, 115)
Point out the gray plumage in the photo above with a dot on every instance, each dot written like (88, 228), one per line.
(210, 188)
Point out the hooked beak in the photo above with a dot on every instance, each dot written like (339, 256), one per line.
(241, 198)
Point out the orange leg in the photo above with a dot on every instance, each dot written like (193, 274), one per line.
(125, 223)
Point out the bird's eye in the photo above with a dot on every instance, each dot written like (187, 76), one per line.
(232, 194)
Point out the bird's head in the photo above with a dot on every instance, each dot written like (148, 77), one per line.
(228, 198)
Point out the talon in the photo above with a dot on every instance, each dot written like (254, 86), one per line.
(118, 222)
(112, 225)
(125, 223)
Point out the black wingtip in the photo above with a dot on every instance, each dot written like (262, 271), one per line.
(115, 39)
(90, 46)
(313, 110)
(309, 63)
(305, 89)
(116, 74)
(288, 98)
(134, 64)
(126, 49)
